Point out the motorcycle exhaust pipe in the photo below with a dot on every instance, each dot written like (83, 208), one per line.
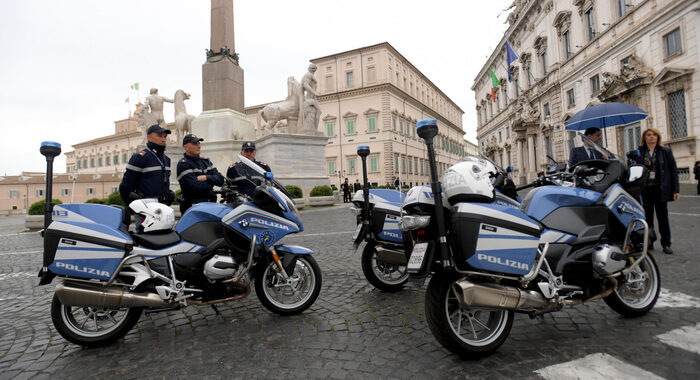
(500, 297)
(106, 297)
(391, 256)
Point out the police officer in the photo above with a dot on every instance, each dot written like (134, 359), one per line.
(197, 175)
(148, 171)
(245, 186)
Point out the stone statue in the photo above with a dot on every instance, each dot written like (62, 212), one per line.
(634, 69)
(286, 109)
(300, 106)
(310, 111)
(183, 121)
(608, 80)
(528, 114)
(154, 106)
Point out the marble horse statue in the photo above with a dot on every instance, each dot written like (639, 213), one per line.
(183, 121)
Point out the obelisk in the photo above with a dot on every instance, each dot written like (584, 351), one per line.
(222, 124)
(222, 77)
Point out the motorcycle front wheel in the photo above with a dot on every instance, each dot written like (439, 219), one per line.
(467, 332)
(291, 295)
(91, 326)
(637, 292)
(383, 276)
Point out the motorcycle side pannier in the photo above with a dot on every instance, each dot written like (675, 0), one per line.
(494, 238)
(86, 241)
(385, 223)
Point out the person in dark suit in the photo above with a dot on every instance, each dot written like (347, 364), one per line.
(357, 186)
(696, 171)
(346, 188)
(586, 152)
(662, 186)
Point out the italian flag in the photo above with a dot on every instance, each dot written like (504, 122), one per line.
(135, 86)
(494, 83)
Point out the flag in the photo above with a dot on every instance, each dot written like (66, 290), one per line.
(126, 100)
(494, 83)
(510, 57)
(135, 86)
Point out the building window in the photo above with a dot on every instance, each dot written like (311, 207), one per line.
(373, 164)
(92, 162)
(571, 98)
(683, 174)
(372, 124)
(77, 164)
(505, 95)
(403, 164)
(621, 6)
(529, 76)
(543, 62)
(39, 192)
(590, 24)
(391, 78)
(508, 128)
(349, 79)
(350, 125)
(115, 159)
(99, 162)
(329, 129)
(410, 166)
(107, 160)
(14, 194)
(517, 87)
(396, 164)
(499, 136)
(415, 164)
(352, 169)
(566, 40)
(595, 84)
(331, 167)
(90, 191)
(546, 110)
(393, 123)
(371, 75)
(65, 192)
(676, 114)
(123, 158)
(672, 42)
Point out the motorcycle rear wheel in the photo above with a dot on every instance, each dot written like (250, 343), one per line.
(637, 292)
(383, 276)
(90, 326)
(467, 332)
(289, 297)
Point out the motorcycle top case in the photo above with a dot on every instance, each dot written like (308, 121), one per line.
(86, 241)
(494, 238)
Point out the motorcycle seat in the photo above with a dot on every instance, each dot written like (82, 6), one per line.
(156, 241)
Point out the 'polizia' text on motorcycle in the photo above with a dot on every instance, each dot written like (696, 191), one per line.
(563, 245)
(110, 275)
(378, 213)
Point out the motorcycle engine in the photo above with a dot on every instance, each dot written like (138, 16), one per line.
(220, 267)
(608, 259)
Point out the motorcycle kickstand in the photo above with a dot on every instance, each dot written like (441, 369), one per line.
(216, 310)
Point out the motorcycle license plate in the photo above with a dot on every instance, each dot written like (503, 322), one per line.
(417, 256)
(357, 232)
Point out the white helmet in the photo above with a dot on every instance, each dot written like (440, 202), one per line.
(154, 216)
(469, 181)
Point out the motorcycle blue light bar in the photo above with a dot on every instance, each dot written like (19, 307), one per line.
(51, 144)
(426, 123)
(362, 147)
(269, 175)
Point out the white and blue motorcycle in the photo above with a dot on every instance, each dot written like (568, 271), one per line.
(109, 275)
(491, 256)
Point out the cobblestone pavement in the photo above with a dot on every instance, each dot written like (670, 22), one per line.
(352, 331)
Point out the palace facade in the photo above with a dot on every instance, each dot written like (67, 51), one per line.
(576, 53)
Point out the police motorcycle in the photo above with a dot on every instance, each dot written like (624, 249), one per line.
(378, 212)
(563, 245)
(110, 275)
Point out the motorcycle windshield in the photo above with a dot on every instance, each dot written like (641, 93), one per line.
(585, 141)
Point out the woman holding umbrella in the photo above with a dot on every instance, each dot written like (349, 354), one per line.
(663, 183)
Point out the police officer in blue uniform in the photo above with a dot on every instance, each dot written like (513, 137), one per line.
(197, 175)
(244, 185)
(148, 171)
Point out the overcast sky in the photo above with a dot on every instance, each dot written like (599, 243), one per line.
(66, 66)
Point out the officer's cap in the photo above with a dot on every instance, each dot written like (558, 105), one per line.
(248, 145)
(155, 128)
(190, 138)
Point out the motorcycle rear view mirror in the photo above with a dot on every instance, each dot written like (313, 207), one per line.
(635, 173)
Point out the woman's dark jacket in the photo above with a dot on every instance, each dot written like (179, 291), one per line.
(666, 170)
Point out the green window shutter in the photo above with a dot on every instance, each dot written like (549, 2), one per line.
(373, 164)
(329, 129)
(393, 121)
(351, 166)
(372, 124)
(331, 167)
(351, 126)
